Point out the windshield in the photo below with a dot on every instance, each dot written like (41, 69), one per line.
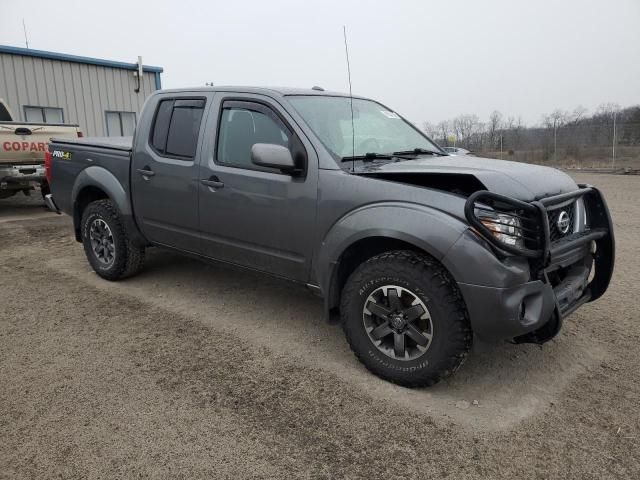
(377, 129)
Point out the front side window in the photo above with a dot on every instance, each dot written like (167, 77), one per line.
(375, 129)
(43, 114)
(241, 128)
(120, 124)
(176, 127)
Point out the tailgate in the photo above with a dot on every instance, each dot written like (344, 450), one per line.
(25, 143)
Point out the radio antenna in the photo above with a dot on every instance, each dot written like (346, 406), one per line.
(353, 131)
(24, 27)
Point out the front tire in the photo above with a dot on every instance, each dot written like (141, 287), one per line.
(109, 251)
(405, 319)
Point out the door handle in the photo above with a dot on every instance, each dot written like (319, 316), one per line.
(23, 131)
(146, 172)
(213, 182)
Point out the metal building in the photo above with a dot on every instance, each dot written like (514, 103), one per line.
(102, 96)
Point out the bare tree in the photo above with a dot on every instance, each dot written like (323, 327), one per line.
(465, 126)
(578, 115)
(509, 123)
(556, 119)
(518, 128)
(431, 130)
(553, 122)
(444, 129)
(495, 124)
(607, 109)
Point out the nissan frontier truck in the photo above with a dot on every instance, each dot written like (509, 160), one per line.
(415, 252)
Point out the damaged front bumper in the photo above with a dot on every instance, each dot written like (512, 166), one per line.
(562, 274)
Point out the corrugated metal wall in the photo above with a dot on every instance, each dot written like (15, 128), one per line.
(84, 92)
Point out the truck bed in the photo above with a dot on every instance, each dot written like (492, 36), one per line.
(102, 162)
(112, 143)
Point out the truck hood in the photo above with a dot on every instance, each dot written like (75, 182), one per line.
(522, 181)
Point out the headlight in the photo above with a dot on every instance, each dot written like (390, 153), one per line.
(505, 227)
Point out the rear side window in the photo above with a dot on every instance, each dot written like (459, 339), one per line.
(176, 127)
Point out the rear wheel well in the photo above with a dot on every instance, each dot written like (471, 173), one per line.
(356, 254)
(86, 196)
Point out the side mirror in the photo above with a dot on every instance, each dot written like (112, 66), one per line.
(272, 156)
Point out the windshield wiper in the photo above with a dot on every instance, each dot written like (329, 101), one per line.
(371, 156)
(420, 151)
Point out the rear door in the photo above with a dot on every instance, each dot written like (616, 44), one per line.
(254, 216)
(164, 176)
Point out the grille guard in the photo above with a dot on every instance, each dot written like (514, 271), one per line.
(538, 238)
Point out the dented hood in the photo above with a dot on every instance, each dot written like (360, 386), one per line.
(522, 181)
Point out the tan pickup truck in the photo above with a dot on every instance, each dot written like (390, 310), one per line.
(22, 149)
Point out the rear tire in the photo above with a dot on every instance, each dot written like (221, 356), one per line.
(405, 319)
(109, 251)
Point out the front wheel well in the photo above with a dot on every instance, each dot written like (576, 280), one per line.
(86, 196)
(356, 254)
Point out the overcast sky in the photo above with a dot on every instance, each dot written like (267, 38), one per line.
(429, 60)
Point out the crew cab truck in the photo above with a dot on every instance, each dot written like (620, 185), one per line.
(22, 152)
(415, 252)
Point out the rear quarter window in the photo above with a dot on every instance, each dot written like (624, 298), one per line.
(176, 127)
(161, 125)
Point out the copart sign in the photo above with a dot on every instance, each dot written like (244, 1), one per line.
(24, 146)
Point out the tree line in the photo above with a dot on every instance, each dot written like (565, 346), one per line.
(559, 129)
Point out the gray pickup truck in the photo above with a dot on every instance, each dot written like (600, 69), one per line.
(414, 251)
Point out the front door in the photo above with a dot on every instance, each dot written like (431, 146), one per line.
(254, 216)
(164, 176)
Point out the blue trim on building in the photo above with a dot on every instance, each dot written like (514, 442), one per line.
(29, 52)
(158, 81)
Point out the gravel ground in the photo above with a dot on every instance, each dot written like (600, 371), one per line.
(191, 370)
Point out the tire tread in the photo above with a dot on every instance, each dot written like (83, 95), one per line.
(428, 267)
(133, 255)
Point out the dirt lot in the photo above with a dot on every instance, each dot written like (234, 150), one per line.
(193, 370)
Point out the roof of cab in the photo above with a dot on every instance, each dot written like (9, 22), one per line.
(270, 91)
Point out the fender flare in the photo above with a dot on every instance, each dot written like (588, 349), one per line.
(104, 180)
(430, 230)
(107, 182)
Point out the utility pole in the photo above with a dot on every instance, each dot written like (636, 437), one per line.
(555, 141)
(613, 142)
(500, 146)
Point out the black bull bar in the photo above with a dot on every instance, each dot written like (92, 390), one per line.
(534, 230)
